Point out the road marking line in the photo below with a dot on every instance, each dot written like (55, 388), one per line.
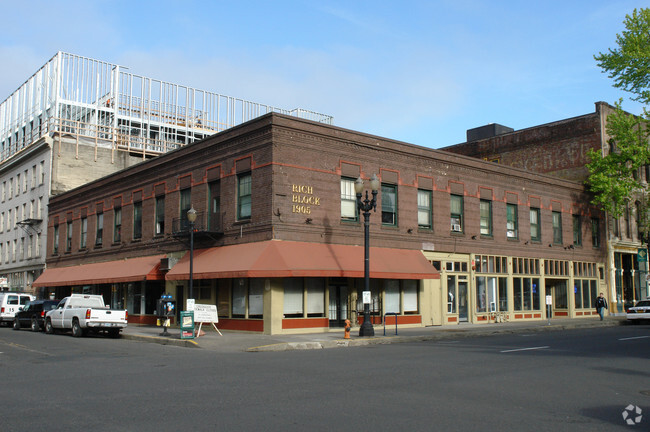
(635, 337)
(525, 349)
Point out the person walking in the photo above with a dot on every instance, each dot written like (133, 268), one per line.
(601, 305)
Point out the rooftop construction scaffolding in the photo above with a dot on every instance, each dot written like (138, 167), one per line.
(91, 99)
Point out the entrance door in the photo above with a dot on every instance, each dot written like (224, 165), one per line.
(462, 301)
(338, 306)
(557, 289)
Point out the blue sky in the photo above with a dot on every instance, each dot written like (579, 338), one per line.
(417, 71)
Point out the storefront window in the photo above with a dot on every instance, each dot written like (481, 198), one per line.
(315, 297)
(239, 298)
(293, 302)
(491, 294)
(585, 293)
(526, 294)
(410, 296)
(391, 296)
(256, 298)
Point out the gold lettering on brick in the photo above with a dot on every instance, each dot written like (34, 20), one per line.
(303, 198)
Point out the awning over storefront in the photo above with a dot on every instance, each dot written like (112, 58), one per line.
(127, 270)
(277, 258)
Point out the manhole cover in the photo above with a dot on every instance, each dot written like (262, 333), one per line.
(645, 392)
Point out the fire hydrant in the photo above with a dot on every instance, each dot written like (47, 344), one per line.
(347, 329)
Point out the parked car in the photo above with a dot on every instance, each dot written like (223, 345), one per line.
(640, 311)
(33, 314)
(10, 303)
(83, 313)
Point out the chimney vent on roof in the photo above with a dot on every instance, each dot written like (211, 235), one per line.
(487, 131)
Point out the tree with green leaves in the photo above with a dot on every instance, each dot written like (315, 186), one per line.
(614, 174)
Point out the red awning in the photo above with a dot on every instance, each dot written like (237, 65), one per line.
(127, 270)
(277, 258)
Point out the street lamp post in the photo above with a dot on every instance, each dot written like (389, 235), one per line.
(365, 205)
(191, 218)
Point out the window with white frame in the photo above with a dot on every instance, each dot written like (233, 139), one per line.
(456, 206)
(535, 227)
(424, 209)
(160, 215)
(512, 225)
(349, 210)
(486, 217)
(84, 233)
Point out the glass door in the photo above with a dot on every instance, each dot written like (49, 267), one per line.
(338, 305)
(462, 301)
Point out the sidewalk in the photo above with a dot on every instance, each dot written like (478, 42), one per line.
(232, 341)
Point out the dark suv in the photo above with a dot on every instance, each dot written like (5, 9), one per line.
(33, 313)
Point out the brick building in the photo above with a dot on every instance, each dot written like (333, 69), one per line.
(279, 242)
(560, 149)
(77, 119)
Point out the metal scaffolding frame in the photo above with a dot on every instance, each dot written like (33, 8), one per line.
(92, 99)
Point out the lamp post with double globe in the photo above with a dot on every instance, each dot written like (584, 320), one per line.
(191, 218)
(365, 205)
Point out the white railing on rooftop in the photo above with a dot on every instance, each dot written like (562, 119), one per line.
(94, 99)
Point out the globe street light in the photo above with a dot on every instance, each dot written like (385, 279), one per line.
(191, 218)
(365, 206)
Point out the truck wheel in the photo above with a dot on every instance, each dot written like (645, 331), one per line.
(76, 329)
(16, 324)
(48, 327)
(35, 326)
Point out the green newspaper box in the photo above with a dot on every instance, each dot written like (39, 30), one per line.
(187, 324)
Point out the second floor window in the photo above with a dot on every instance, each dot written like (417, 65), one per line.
(577, 230)
(137, 220)
(99, 233)
(117, 225)
(84, 233)
(186, 205)
(486, 217)
(244, 195)
(595, 232)
(557, 227)
(511, 221)
(535, 230)
(68, 237)
(389, 204)
(348, 200)
(214, 216)
(424, 209)
(55, 247)
(456, 205)
(160, 215)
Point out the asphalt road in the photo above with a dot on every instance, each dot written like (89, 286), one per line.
(579, 380)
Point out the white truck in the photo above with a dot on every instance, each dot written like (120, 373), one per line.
(83, 313)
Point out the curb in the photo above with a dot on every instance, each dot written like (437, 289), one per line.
(444, 334)
(162, 340)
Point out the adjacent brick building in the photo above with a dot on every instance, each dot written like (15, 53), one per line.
(560, 149)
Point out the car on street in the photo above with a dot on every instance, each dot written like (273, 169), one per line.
(33, 314)
(10, 303)
(84, 313)
(640, 311)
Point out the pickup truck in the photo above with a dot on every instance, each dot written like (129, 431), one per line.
(83, 313)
